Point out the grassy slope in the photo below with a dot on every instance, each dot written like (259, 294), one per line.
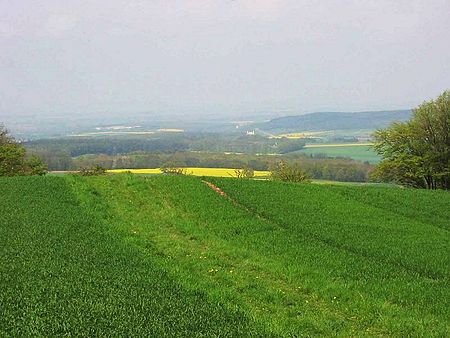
(354, 224)
(286, 259)
(387, 266)
(430, 207)
(66, 269)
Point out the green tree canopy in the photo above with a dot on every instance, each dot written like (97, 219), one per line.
(417, 153)
(13, 159)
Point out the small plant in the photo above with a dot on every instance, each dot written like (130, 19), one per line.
(174, 171)
(94, 171)
(244, 173)
(286, 172)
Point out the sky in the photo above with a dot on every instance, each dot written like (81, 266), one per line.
(195, 57)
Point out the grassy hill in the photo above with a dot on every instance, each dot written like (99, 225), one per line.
(334, 121)
(165, 255)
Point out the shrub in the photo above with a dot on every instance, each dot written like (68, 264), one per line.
(174, 171)
(245, 173)
(13, 159)
(35, 166)
(283, 171)
(94, 171)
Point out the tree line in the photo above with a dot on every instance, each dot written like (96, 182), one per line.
(167, 143)
(335, 169)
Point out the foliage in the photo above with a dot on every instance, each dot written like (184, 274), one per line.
(417, 153)
(118, 153)
(336, 169)
(286, 172)
(14, 160)
(174, 171)
(108, 145)
(93, 171)
(11, 159)
(244, 173)
(5, 138)
(169, 143)
(318, 168)
(35, 166)
(59, 160)
(285, 145)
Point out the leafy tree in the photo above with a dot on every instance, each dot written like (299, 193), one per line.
(13, 160)
(417, 153)
(5, 138)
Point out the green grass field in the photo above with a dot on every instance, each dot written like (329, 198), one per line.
(124, 255)
(361, 153)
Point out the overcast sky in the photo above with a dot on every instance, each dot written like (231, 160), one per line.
(220, 56)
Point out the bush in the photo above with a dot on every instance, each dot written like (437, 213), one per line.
(94, 171)
(174, 171)
(245, 173)
(285, 172)
(35, 166)
(13, 161)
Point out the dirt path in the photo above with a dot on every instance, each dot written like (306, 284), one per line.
(216, 189)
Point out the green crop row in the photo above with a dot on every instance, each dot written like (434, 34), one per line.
(169, 256)
(391, 236)
(65, 271)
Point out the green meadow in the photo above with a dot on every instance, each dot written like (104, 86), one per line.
(361, 153)
(124, 255)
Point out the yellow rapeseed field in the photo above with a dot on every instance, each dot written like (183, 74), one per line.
(305, 134)
(216, 172)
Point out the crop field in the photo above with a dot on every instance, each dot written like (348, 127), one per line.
(329, 135)
(116, 133)
(338, 145)
(162, 255)
(360, 152)
(69, 269)
(212, 172)
(305, 134)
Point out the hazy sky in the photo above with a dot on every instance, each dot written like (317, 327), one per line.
(85, 57)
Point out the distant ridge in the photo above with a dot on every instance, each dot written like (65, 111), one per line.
(335, 121)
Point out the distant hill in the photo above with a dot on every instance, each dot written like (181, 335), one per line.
(335, 121)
